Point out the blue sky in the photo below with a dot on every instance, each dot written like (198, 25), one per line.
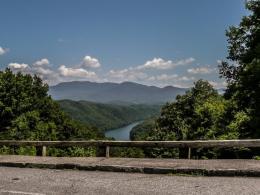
(155, 42)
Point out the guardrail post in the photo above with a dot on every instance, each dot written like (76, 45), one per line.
(100, 151)
(44, 150)
(107, 151)
(189, 153)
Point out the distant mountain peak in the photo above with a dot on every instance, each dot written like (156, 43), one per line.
(114, 92)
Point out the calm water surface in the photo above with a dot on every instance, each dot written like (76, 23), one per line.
(122, 133)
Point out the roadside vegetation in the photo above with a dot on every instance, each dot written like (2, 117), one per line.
(27, 112)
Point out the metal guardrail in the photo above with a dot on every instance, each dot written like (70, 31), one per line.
(249, 143)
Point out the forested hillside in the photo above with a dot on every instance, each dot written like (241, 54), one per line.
(143, 130)
(107, 116)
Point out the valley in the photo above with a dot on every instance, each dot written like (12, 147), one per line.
(108, 116)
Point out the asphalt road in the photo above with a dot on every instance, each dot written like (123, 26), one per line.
(23, 181)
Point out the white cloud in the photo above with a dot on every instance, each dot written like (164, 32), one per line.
(218, 85)
(17, 66)
(165, 77)
(43, 71)
(161, 64)
(118, 73)
(3, 50)
(128, 74)
(201, 70)
(153, 72)
(53, 76)
(42, 62)
(185, 78)
(65, 73)
(75, 72)
(139, 73)
(172, 78)
(47, 75)
(90, 62)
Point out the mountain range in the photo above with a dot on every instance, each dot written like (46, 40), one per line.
(126, 92)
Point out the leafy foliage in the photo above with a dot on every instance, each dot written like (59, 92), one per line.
(243, 75)
(196, 115)
(27, 112)
(107, 116)
(143, 130)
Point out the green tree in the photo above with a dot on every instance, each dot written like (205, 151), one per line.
(199, 114)
(143, 130)
(27, 112)
(185, 118)
(243, 72)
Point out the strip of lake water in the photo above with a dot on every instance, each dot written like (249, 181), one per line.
(122, 133)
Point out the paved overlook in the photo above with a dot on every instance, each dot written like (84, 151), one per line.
(228, 167)
(104, 175)
(35, 175)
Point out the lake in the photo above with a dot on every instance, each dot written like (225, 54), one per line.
(122, 133)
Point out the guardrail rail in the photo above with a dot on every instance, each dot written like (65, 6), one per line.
(249, 143)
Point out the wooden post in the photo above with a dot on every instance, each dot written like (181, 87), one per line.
(44, 150)
(101, 151)
(107, 151)
(189, 153)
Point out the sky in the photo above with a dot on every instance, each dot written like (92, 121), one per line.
(152, 42)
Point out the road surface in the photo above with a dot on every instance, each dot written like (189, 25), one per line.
(24, 181)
